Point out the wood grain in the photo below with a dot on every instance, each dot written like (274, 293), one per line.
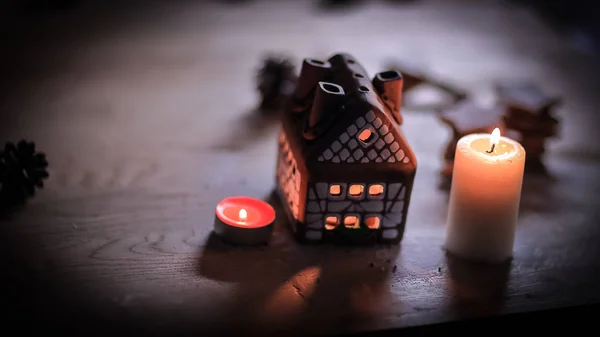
(147, 119)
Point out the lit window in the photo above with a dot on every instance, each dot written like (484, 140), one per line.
(365, 136)
(335, 190)
(376, 190)
(351, 222)
(372, 222)
(331, 222)
(356, 190)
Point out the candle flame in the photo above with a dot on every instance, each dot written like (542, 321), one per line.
(243, 214)
(495, 138)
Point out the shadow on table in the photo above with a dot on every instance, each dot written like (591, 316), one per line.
(250, 128)
(478, 289)
(288, 287)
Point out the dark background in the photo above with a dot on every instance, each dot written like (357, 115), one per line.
(577, 17)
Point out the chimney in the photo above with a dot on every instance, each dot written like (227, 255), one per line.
(329, 98)
(311, 73)
(389, 86)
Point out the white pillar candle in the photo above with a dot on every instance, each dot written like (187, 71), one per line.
(484, 197)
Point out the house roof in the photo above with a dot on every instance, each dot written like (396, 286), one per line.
(353, 96)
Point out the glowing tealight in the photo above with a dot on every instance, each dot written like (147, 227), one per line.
(244, 220)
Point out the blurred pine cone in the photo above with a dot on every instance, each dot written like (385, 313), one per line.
(275, 81)
(21, 171)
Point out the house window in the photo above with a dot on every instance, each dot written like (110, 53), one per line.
(376, 190)
(335, 190)
(366, 136)
(356, 191)
(372, 222)
(351, 221)
(331, 222)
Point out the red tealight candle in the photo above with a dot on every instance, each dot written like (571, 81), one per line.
(244, 220)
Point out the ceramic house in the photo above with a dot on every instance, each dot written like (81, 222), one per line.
(345, 171)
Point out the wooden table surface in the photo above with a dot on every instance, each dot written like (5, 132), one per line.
(146, 115)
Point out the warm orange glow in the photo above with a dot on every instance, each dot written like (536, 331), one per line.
(288, 301)
(351, 222)
(372, 222)
(331, 222)
(243, 214)
(365, 135)
(335, 190)
(495, 138)
(356, 190)
(376, 190)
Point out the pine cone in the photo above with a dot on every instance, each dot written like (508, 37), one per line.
(21, 171)
(276, 79)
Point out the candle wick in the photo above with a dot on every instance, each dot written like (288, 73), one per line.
(492, 149)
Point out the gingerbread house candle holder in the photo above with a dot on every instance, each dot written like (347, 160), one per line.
(345, 171)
